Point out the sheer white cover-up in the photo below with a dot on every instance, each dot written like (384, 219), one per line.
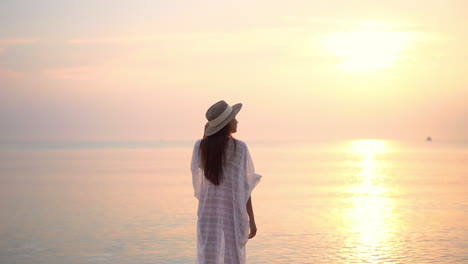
(223, 222)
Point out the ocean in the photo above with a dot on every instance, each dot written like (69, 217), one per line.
(354, 201)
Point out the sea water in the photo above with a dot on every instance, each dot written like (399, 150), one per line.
(356, 201)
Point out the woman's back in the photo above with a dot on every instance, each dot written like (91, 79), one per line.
(223, 178)
(222, 216)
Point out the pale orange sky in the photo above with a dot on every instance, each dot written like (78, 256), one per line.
(96, 70)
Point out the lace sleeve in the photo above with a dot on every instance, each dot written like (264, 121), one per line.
(196, 170)
(251, 178)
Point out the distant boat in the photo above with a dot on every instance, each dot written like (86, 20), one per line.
(429, 139)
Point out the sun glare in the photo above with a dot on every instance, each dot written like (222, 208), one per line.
(371, 213)
(368, 48)
(368, 147)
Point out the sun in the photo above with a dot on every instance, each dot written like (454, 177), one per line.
(370, 47)
(368, 147)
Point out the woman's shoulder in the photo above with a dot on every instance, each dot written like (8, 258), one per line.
(240, 144)
(197, 143)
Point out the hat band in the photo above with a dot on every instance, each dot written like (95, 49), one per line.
(221, 117)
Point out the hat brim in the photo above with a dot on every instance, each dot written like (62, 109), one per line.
(211, 130)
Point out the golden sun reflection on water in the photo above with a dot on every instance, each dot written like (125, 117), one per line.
(370, 217)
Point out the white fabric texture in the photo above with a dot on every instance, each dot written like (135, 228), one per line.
(223, 222)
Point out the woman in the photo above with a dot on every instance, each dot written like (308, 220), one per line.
(223, 179)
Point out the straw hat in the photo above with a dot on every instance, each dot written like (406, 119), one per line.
(219, 115)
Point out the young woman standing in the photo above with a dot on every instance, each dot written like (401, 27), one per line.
(223, 179)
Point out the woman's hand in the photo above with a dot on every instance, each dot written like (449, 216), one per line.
(253, 230)
(253, 226)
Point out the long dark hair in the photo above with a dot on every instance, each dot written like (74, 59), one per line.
(213, 158)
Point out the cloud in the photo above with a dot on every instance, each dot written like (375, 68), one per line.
(107, 40)
(16, 41)
(7, 74)
(71, 73)
(93, 40)
(7, 43)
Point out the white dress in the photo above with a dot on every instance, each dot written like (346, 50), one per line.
(223, 222)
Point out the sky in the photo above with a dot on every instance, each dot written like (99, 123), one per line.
(304, 70)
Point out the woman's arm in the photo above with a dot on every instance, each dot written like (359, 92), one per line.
(253, 226)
